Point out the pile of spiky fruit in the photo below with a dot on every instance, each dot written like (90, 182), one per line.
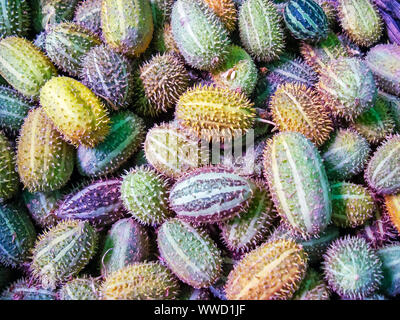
(107, 190)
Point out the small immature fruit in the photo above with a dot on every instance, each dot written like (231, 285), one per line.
(127, 25)
(80, 289)
(85, 120)
(226, 11)
(298, 183)
(88, 15)
(26, 289)
(273, 271)
(24, 66)
(15, 18)
(190, 253)
(389, 256)
(62, 251)
(45, 161)
(141, 281)
(392, 203)
(312, 287)
(144, 194)
(9, 181)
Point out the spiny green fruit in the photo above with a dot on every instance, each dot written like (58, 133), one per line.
(88, 15)
(41, 206)
(394, 107)
(352, 268)
(24, 66)
(295, 107)
(190, 253)
(15, 18)
(226, 11)
(200, 35)
(389, 256)
(392, 204)
(383, 171)
(62, 252)
(141, 281)
(109, 75)
(171, 151)
(9, 182)
(312, 287)
(214, 113)
(345, 154)
(126, 134)
(384, 62)
(66, 45)
(127, 25)
(349, 86)
(127, 242)
(245, 231)
(13, 109)
(85, 120)
(352, 204)
(273, 271)
(261, 30)
(160, 83)
(298, 183)
(80, 289)
(237, 73)
(144, 194)
(161, 11)
(17, 235)
(329, 8)
(26, 289)
(360, 20)
(306, 20)
(45, 161)
(376, 123)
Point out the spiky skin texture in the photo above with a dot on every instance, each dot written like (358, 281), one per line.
(389, 256)
(164, 40)
(62, 252)
(88, 15)
(127, 132)
(352, 268)
(237, 73)
(45, 161)
(226, 11)
(273, 271)
(109, 75)
(210, 194)
(13, 109)
(345, 154)
(312, 287)
(394, 106)
(127, 25)
(361, 21)
(144, 194)
(163, 80)
(261, 30)
(141, 281)
(352, 204)
(215, 114)
(242, 233)
(295, 107)
(17, 235)
(85, 120)
(161, 11)
(24, 66)
(349, 86)
(26, 289)
(127, 242)
(382, 172)
(99, 203)
(80, 289)
(330, 10)
(15, 18)
(392, 203)
(200, 35)
(9, 181)
(190, 253)
(298, 183)
(40, 41)
(384, 62)
(306, 20)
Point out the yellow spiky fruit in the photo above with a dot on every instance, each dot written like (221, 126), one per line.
(392, 203)
(273, 271)
(226, 11)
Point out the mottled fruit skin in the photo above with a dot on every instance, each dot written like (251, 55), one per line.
(389, 256)
(312, 287)
(127, 25)
(24, 66)
(226, 11)
(273, 271)
(141, 281)
(85, 118)
(298, 182)
(9, 181)
(190, 253)
(15, 18)
(80, 289)
(45, 161)
(382, 172)
(26, 289)
(88, 15)
(394, 105)
(62, 252)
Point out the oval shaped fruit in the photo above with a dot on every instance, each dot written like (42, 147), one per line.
(26, 289)
(80, 289)
(9, 181)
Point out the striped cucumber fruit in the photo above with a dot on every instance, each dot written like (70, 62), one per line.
(15, 18)
(9, 180)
